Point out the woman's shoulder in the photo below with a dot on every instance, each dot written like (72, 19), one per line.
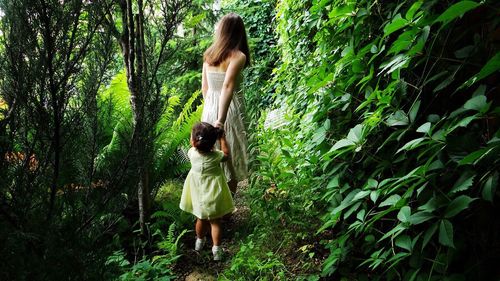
(238, 56)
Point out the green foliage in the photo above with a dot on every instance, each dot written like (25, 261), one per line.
(168, 197)
(388, 138)
(253, 263)
(171, 132)
(159, 267)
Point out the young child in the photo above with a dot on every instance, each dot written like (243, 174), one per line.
(206, 193)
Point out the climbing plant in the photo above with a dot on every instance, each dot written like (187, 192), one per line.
(392, 136)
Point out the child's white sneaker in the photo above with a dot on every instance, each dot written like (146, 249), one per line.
(217, 251)
(198, 245)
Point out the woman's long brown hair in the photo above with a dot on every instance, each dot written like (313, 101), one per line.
(230, 36)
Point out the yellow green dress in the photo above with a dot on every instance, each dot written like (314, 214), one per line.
(206, 193)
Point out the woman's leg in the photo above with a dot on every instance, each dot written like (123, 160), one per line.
(201, 228)
(232, 186)
(233, 183)
(216, 231)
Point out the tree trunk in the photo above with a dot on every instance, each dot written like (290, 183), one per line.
(133, 50)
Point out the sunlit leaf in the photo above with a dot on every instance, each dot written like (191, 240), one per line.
(411, 11)
(392, 200)
(396, 24)
(424, 128)
(492, 66)
(398, 118)
(456, 10)
(411, 144)
(404, 214)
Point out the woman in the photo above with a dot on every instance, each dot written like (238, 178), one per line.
(223, 63)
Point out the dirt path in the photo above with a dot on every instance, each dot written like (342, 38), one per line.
(200, 266)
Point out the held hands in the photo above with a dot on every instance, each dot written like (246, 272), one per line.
(219, 124)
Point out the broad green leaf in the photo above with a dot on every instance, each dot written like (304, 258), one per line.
(393, 232)
(351, 210)
(397, 23)
(489, 187)
(462, 123)
(444, 83)
(413, 111)
(465, 122)
(420, 217)
(476, 103)
(374, 196)
(404, 41)
(392, 200)
(440, 135)
(404, 214)
(341, 11)
(457, 205)
(356, 134)
(411, 144)
(398, 118)
(411, 12)
(429, 233)
(403, 241)
(334, 182)
(360, 195)
(319, 135)
(456, 10)
(492, 66)
(472, 157)
(463, 183)
(395, 63)
(464, 52)
(417, 48)
(435, 165)
(433, 118)
(346, 202)
(361, 215)
(446, 233)
(342, 144)
(424, 128)
(371, 183)
(432, 204)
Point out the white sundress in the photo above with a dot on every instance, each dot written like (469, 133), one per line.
(237, 165)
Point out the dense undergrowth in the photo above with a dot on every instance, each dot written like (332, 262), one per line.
(386, 153)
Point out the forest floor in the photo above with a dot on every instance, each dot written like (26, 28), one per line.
(198, 266)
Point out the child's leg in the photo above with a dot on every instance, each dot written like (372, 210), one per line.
(201, 228)
(216, 231)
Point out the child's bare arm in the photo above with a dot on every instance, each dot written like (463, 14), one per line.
(224, 147)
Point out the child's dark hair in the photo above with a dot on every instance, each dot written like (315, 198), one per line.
(204, 136)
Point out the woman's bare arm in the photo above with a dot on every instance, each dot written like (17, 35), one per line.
(224, 147)
(204, 83)
(235, 66)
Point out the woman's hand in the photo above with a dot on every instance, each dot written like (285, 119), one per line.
(218, 124)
